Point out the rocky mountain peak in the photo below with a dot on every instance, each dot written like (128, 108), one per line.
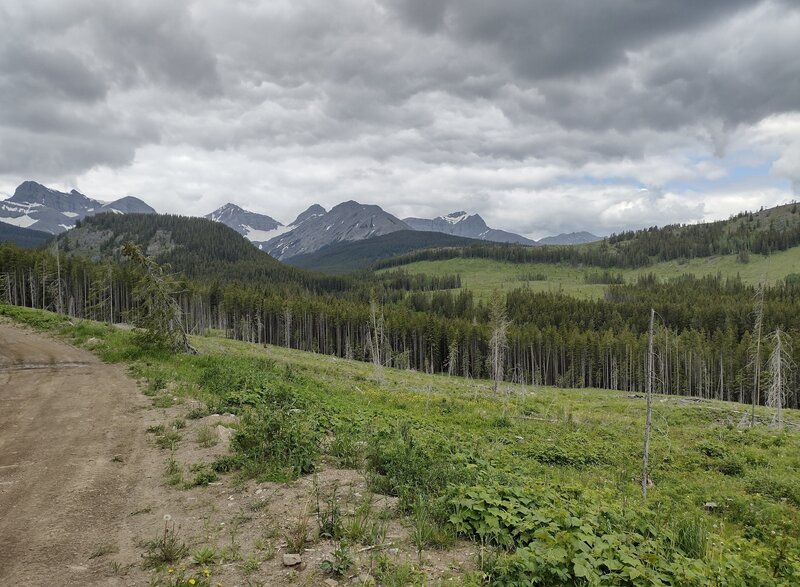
(348, 221)
(310, 212)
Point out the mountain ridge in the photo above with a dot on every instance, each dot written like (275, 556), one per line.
(348, 221)
(466, 225)
(41, 208)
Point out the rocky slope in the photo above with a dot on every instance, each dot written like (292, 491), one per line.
(259, 228)
(349, 221)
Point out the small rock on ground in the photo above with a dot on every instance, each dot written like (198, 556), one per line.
(291, 560)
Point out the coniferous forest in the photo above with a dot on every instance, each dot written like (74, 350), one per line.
(702, 343)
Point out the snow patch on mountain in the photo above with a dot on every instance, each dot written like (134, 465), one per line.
(454, 217)
(21, 221)
(261, 236)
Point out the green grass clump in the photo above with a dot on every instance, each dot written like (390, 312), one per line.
(206, 437)
(166, 548)
(203, 475)
(205, 556)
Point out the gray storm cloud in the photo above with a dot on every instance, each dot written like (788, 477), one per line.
(517, 108)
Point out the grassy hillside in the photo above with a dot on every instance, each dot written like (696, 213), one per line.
(352, 256)
(22, 237)
(484, 275)
(547, 479)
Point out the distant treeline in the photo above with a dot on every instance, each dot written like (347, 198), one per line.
(763, 233)
(702, 347)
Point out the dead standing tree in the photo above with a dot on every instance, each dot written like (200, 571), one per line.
(649, 400)
(755, 351)
(779, 367)
(498, 343)
(376, 339)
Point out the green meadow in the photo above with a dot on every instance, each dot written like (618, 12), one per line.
(545, 481)
(482, 276)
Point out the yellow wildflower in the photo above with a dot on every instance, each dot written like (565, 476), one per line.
(192, 581)
(206, 572)
(171, 571)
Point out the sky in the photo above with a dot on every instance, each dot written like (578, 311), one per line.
(544, 116)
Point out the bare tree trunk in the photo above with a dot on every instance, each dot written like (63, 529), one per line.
(759, 315)
(60, 304)
(779, 366)
(649, 401)
(287, 326)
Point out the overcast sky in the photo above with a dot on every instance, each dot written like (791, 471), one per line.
(542, 115)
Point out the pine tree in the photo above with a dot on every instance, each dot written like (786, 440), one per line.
(159, 314)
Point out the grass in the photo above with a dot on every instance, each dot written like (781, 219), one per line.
(103, 550)
(167, 548)
(446, 446)
(206, 437)
(482, 276)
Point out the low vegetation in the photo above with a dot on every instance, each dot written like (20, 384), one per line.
(545, 481)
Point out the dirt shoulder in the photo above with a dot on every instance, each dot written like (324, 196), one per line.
(72, 454)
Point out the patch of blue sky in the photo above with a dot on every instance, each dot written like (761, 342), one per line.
(757, 175)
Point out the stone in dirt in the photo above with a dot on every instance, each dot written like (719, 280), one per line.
(291, 560)
(225, 434)
(225, 419)
(331, 583)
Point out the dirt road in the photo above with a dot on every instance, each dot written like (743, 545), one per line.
(71, 454)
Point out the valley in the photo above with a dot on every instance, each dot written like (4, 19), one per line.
(400, 293)
(406, 407)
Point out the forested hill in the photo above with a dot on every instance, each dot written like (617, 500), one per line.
(348, 256)
(22, 237)
(763, 232)
(196, 247)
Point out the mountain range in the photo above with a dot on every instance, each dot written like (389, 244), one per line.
(350, 221)
(37, 207)
(44, 209)
(468, 226)
(259, 228)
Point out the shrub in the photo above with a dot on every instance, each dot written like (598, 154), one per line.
(732, 467)
(285, 440)
(409, 464)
